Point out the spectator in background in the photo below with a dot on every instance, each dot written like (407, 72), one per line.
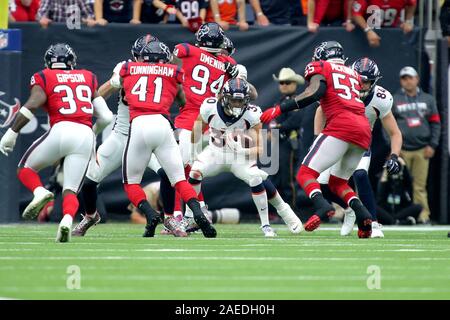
(419, 121)
(62, 11)
(331, 13)
(23, 10)
(260, 17)
(445, 23)
(276, 11)
(154, 11)
(394, 198)
(288, 126)
(120, 11)
(191, 13)
(224, 12)
(389, 15)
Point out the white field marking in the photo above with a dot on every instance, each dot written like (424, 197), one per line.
(222, 289)
(299, 259)
(301, 250)
(398, 228)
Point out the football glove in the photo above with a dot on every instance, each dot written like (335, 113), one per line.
(8, 141)
(231, 69)
(236, 145)
(270, 114)
(392, 165)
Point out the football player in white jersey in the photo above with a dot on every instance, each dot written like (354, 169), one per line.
(378, 102)
(234, 145)
(109, 158)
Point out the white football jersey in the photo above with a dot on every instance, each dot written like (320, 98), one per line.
(122, 123)
(221, 124)
(378, 104)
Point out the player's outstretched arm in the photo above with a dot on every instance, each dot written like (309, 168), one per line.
(313, 92)
(101, 112)
(106, 89)
(180, 98)
(253, 92)
(390, 125)
(26, 113)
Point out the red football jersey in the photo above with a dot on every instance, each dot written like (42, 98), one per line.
(390, 10)
(344, 111)
(69, 94)
(205, 77)
(150, 88)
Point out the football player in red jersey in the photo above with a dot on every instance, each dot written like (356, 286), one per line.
(385, 13)
(151, 85)
(71, 99)
(343, 141)
(206, 71)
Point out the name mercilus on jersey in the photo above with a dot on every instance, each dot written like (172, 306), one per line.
(211, 61)
(152, 69)
(344, 69)
(74, 77)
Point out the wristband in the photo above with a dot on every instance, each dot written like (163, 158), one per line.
(394, 156)
(26, 113)
(367, 29)
(259, 14)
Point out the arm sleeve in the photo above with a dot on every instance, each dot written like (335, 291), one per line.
(435, 124)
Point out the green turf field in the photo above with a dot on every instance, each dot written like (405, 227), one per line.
(116, 263)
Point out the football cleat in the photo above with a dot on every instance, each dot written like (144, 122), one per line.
(174, 227)
(349, 222)
(268, 231)
(365, 228)
(87, 222)
(289, 217)
(64, 228)
(313, 223)
(376, 230)
(150, 228)
(204, 224)
(189, 225)
(41, 197)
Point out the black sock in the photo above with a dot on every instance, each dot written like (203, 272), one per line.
(89, 194)
(194, 205)
(167, 192)
(147, 210)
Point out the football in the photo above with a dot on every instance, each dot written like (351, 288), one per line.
(246, 140)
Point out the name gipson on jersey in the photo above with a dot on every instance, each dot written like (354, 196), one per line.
(73, 78)
(211, 61)
(155, 69)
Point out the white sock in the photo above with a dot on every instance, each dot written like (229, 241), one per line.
(260, 200)
(277, 202)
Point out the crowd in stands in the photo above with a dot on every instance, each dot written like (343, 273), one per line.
(190, 13)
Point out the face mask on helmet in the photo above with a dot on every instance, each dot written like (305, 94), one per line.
(235, 105)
